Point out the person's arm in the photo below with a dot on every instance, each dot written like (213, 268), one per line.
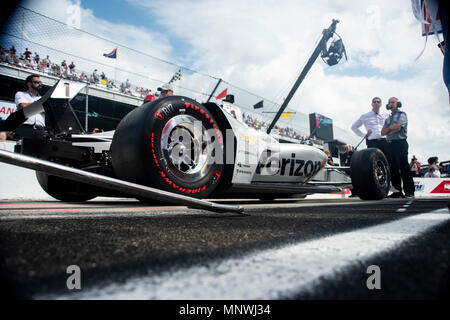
(385, 131)
(389, 130)
(402, 123)
(355, 127)
(21, 101)
(392, 129)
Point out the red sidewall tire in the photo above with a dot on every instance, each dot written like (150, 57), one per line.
(139, 153)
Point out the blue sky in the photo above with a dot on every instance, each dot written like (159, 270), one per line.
(118, 11)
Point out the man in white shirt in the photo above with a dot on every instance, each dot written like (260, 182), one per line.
(24, 98)
(373, 121)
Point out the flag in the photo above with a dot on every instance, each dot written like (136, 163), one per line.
(286, 115)
(112, 54)
(222, 95)
(259, 105)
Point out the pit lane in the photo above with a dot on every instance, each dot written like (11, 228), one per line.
(119, 244)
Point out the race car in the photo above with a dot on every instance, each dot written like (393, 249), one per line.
(178, 150)
(183, 147)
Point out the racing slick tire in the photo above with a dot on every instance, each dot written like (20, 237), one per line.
(173, 143)
(370, 174)
(63, 189)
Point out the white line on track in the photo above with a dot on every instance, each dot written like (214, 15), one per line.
(270, 274)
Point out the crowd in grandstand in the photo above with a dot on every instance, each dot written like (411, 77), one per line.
(28, 60)
(262, 125)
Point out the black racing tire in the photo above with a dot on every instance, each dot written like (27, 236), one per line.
(173, 143)
(370, 174)
(63, 189)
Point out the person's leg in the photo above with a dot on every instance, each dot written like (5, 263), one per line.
(383, 146)
(393, 167)
(405, 170)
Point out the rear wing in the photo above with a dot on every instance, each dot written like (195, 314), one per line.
(60, 116)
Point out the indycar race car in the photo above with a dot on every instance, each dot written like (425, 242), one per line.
(177, 150)
(178, 145)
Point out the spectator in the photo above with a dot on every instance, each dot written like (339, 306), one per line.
(36, 58)
(83, 77)
(12, 50)
(415, 167)
(149, 97)
(12, 59)
(3, 55)
(166, 90)
(434, 167)
(22, 61)
(56, 70)
(111, 85)
(349, 150)
(47, 61)
(104, 79)
(95, 76)
(432, 173)
(27, 54)
(72, 67)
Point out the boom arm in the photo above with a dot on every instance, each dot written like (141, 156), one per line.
(327, 34)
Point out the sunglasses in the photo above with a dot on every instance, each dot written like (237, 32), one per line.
(376, 101)
(37, 82)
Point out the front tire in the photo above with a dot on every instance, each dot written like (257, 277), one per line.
(173, 143)
(370, 174)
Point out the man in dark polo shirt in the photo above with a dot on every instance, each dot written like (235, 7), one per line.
(395, 129)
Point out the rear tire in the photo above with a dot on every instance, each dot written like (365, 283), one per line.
(370, 174)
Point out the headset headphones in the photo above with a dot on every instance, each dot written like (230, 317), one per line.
(399, 105)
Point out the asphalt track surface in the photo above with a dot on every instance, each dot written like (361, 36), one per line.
(283, 249)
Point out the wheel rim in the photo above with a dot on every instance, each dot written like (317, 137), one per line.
(381, 173)
(188, 146)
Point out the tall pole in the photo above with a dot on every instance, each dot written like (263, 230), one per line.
(327, 34)
(214, 90)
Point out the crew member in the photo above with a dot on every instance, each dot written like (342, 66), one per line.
(166, 90)
(395, 129)
(373, 121)
(23, 99)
